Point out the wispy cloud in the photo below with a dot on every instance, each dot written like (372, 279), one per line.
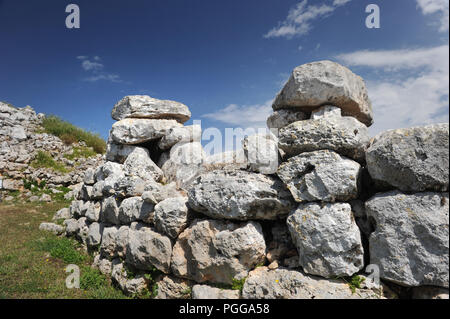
(412, 86)
(300, 18)
(439, 7)
(245, 116)
(95, 68)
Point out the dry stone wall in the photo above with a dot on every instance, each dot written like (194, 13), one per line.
(21, 138)
(302, 228)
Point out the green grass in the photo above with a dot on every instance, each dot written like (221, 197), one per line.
(80, 152)
(45, 160)
(33, 263)
(62, 248)
(70, 134)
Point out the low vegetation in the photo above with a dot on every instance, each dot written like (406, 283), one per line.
(80, 152)
(34, 266)
(71, 134)
(45, 160)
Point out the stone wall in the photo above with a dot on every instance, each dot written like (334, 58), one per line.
(295, 214)
(21, 138)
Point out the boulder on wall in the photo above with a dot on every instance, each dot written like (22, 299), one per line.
(263, 283)
(218, 251)
(321, 176)
(410, 242)
(413, 159)
(325, 82)
(144, 106)
(327, 239)
(239, 195)
(138, 131)
(344, 135)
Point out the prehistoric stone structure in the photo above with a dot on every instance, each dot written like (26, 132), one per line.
(288, 230)
(21, 139)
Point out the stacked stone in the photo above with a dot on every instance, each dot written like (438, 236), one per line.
(20, 141)
(410, 242)
(322, 115)
(132, 208)
(326, 158)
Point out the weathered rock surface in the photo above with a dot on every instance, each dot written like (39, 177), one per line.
(136, 131)
(216, 251)
(319, 83)
(207, 292)
(52, 228)
(344, 135)
(411, 239)
(147, 248)
(139, 163)
(185, 134)
(143, 106)
(327, 239)
(263, 283)
(110, 211)
(118, 152)
(320, 176)
(282, 118)
(170, 287)
(171, 216)
(262, 153)
(155, 192)
(239, 195)
(135, 209)
(185, 163)
(94, 237)
(413, 159)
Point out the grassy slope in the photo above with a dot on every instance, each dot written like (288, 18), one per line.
(27, 268)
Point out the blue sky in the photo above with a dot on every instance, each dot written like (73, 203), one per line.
(226, 60)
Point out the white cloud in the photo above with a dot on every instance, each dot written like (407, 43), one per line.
(252, 116)
(95, 68)
(300, 18)
(440, 7)
(89, 65)
(413, 88)
(340, 2)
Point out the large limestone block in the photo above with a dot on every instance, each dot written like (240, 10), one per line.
(262, 153)
(344, 135)
(320, 176)
(139, 163)
(135, 209)
(239, 195)
(217, 251)
(282, 118)
(327, 239)
(143, 106)
(325, 82)
(185, 134)
(171, 216)
(263, 283)
(208, 292)
(147, 249)
(136, 131)
(412, 159)
(184, 164)
(410, 243)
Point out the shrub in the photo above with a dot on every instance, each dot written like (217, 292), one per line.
(70, 134)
